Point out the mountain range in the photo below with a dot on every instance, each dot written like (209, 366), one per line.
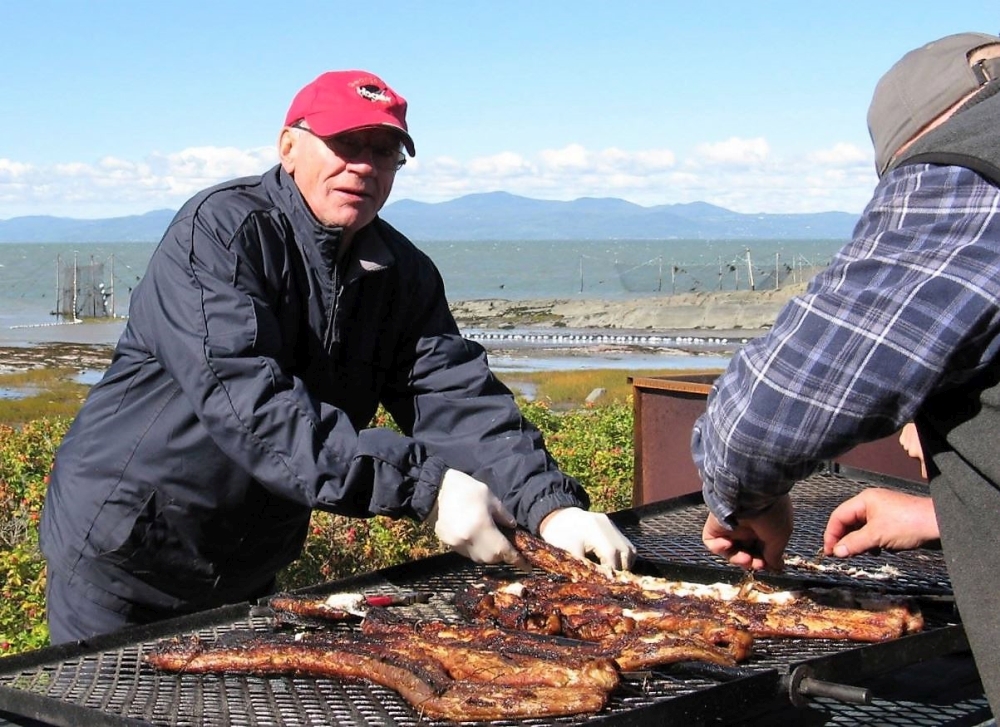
(495, 216)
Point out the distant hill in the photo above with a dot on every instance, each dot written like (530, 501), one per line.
(135, 228)
(503, 216)
(497, 216)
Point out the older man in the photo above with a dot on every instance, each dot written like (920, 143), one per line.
(904, 324)
(275, 315)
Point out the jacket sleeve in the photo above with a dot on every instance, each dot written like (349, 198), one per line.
(907, 309)
(205, 315)
(447, 396)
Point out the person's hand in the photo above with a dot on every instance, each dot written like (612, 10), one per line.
(879, 518)
(581, 532)
(756, 542)
(465, 518)
(909, 441)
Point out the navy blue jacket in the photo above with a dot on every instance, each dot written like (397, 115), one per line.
(238, 396)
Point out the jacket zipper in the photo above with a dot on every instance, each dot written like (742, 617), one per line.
(332, 336)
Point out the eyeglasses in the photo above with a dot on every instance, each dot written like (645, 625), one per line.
(385, 158)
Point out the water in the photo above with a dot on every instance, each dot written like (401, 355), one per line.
(514, 270)
(30, 274)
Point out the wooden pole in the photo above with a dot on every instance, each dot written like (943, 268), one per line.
(58, 310)
(75, 281)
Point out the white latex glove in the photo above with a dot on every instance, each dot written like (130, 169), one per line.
(465, 518)
(581, 532)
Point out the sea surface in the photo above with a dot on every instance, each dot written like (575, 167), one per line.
(97, 279)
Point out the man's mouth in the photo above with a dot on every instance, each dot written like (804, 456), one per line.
(358, 193)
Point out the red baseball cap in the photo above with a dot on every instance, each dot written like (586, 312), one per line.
(341, 101)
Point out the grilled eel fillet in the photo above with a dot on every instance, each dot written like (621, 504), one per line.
(580, 611)
(630, 652)
(833, 613)
(307, 608)
(501, 689)
(617, 638)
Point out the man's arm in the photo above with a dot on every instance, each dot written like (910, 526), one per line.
(908, 306)
(446, 395)
(206, 316)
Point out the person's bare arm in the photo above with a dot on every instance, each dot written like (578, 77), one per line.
(909, 441)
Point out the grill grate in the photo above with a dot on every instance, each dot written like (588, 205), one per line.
(107, 683)
(670, 532)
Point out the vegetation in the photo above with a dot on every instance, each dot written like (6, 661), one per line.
(594, 444)
(25, 463)
(40, 393)
(568, 389)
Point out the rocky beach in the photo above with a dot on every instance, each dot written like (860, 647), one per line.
(723, 318)
(725, 313)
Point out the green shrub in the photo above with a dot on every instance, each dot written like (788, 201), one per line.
(593, 445)
(25, 462)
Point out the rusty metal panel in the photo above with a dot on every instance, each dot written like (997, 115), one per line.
(666, 408)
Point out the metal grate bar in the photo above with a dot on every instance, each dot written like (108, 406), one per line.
(106, 682)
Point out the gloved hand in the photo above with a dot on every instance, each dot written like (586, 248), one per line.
(465, 517)
(581, 532)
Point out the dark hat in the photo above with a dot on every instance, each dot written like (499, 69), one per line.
(920, 87)
(341, 101)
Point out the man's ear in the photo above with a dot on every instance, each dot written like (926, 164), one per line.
(287, 147)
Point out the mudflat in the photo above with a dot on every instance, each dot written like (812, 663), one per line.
(743, 313)
(741, 310)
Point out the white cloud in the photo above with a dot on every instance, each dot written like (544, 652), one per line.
(574, 158)
(501, 166)
(11, 170)
(569, 158)
(734, 151)
(841, 155)
(745, 175)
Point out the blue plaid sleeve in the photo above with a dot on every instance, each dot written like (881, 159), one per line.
(908, 308)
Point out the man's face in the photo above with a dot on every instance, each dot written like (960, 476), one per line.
(345, 179)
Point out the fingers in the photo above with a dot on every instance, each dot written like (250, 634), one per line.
(500, 514)
(757, 543)
(727, 548)
(611, 548)
(859, 541)
(520, 563)
(581, 532)
(773, 558)
(847, 517)
(615, 555)
(747, 556)
(488, 545)
(466, 516)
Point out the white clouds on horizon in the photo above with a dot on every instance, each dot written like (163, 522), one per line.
(745, 175)
(734, 152)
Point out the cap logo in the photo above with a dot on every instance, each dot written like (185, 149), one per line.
(374, 93)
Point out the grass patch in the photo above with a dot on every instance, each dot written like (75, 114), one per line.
(49, 392)
(53, 391)
(571, 388)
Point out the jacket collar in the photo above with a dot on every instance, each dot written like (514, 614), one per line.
(369, 252)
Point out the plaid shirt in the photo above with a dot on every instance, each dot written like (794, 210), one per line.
(909, 308)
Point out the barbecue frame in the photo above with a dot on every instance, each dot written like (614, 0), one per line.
(667, 535)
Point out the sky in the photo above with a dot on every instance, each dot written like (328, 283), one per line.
(114, 107)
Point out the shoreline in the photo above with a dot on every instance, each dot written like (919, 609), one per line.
(684, 324)
(726, 312)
